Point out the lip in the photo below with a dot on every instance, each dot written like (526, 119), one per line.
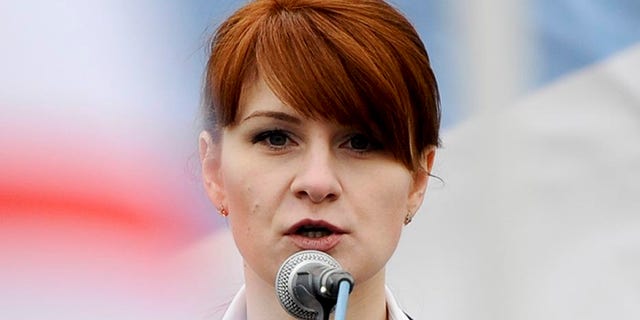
(322, 244)
(316, 223)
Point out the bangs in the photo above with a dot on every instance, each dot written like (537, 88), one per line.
(314, 66)
(358, 63)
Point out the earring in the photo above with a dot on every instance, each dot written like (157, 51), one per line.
(408, 218)
(223, 212)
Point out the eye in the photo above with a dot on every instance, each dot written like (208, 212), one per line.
(361, 143)
(276, 139)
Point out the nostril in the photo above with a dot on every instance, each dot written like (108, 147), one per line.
(316, 180)
(331, 197)
(316, 196)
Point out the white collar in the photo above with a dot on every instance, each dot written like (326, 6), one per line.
(238, 308)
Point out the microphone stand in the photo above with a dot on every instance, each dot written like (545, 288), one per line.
(325, 287)
(310, 283)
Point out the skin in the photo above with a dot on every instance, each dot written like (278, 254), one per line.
(274, 168)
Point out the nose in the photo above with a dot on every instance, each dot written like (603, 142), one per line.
(316, 178)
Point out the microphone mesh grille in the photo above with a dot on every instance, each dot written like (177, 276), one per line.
(284, 275)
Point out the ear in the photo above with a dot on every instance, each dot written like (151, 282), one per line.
(210, 154)
(420, 180)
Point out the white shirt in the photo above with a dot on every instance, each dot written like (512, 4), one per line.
(238, 308)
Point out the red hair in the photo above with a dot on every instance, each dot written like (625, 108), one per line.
(355, 62)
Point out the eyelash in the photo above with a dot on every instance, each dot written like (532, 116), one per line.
(264, 136)
(372, 145)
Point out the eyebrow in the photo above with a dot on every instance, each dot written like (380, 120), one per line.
(275, 115)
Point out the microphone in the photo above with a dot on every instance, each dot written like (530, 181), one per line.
(308, 283)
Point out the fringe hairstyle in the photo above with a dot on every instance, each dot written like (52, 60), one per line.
(357, 62)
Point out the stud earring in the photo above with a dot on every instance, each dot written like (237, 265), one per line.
(223, 212)
(408, 218)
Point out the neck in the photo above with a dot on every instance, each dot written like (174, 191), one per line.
(262, 302)
(367, 301)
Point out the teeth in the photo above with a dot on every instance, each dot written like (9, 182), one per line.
(315, 234)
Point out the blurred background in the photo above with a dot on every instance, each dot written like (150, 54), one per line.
(537, 216)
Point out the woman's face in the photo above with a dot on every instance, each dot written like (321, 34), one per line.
(291, 183)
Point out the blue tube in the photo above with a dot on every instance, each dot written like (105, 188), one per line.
(343, 299)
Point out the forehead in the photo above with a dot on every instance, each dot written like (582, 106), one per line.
(257, 95)
(262, 91)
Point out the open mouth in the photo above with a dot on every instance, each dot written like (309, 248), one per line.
(310, 234)
(314, 229)
(313, 232)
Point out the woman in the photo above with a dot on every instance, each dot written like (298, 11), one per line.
(321, 123)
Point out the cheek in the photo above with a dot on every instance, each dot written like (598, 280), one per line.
(386, 193)
(386, 207)
(244, 218)
(253, 193)
(249, 193)
(239, 175)
(382, 204)
(239, 193)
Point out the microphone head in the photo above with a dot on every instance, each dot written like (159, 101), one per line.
(286, 277)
